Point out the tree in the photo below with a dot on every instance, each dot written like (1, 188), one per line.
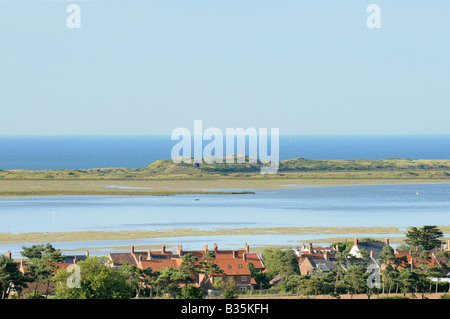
(41, 251)
(10, 277)
(281, 262)
(208, 267)
(169, 279)
(262, 278)
(190, 292)
(148, 279)
(355, 279)
(229, 291)
(407, 280)
(426, 238)
(41, 264)
(97, 282)
(137, 278)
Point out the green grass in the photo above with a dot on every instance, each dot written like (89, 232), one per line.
(177, 232)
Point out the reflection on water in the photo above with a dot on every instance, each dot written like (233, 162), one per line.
(340, 206)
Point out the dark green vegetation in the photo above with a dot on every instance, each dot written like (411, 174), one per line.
(425, 238)
(349, 277)
(294, 168)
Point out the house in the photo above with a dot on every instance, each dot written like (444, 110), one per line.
(309, 249)
(48, 287)
(414, 261)
(135, 257)
(373, 248)
(234, 263)
(319, 262)
(72, 259)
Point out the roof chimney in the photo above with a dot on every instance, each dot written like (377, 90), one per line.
(355, 241)
(303, 246)
(163, 249)
(386, 241)
(132, 249)
(215, 248)
(179, 250)
(87, 253)
(205, 248)
(247, 248)
(395, 251)
(235, 253)
(74, 259)
(371, 254)
(325, 255)
(149, 254)
(244, 256)
(310, 248)
(8, 254)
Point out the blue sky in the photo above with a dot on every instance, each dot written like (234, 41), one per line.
(148, 67)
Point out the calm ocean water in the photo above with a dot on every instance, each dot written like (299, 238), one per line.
(82, 152)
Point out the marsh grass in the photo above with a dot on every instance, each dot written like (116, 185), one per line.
(179, 232)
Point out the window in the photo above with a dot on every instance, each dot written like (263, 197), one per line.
(239, 266)
(243, 278)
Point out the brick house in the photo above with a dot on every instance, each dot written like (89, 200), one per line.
(234, 263)
(320, 262)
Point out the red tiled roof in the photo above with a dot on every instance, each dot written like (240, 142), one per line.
(121, 258)
(63, 265)
(223, 255)
(415, 259)
(158, 264)
(233, 267)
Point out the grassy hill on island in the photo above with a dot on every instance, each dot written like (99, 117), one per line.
(294, 168)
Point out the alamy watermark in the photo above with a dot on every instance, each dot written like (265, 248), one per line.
(213, 150)
(73, 21)
(374, 19)
(74, 279)
(374, 279)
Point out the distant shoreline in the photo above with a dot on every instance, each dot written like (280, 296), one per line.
(235, 186)
(9, 238)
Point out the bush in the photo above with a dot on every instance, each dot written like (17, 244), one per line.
(190, 292)
(34, 295)
(394, 297)
(445, 296)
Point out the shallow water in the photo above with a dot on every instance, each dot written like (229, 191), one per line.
(339, 206)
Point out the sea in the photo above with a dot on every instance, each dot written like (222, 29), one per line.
(401, 205)
(83, 152)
